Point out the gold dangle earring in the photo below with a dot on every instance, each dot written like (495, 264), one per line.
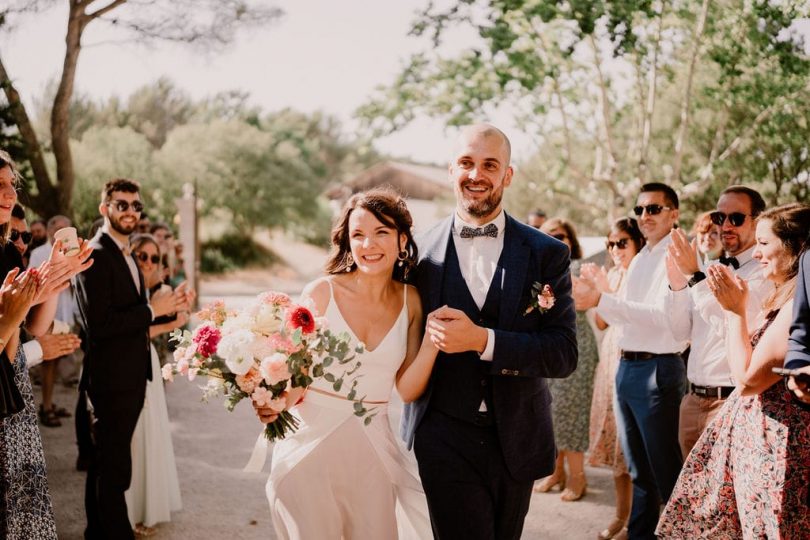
(349, 262)
(401, 256)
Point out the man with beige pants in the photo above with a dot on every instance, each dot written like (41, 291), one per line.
(697, 316)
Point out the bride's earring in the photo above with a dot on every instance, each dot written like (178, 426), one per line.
(349, 262)
(401, 256)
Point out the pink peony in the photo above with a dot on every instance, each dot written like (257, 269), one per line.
(248, 382)
(301, 317)
(275, 298)
(207, 338)
(264, 398)
(274, 369)
(182, 366)
(282, 344)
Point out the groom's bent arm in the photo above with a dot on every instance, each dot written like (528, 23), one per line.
(549, 349)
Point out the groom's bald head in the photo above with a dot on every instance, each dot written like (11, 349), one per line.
(485, 131)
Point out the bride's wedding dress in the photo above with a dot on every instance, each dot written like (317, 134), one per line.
(337, 478)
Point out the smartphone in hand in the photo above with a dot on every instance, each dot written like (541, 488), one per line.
(800, 376)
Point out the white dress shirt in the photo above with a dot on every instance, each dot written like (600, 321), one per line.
(133, 268)
(478, 258)
(696, 315)
(639, 306)
(66, 306)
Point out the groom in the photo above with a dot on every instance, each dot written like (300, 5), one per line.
(482, 430)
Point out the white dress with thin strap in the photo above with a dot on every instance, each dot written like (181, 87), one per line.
(338, 478)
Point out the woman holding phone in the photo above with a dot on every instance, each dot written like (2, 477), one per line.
(748, 476)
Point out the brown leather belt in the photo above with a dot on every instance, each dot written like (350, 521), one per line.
(716, 392)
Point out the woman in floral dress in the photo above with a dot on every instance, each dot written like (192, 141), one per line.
(624, 241)
(748, 476)
(571, 397)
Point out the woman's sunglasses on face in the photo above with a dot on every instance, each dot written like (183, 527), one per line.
(652, 209)
(25, 235)
(144, 257)
(561, 237)
(621, 244)
(735, 218)
(122, 205)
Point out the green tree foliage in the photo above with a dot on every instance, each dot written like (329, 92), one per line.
(697, 93)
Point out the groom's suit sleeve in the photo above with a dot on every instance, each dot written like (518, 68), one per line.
(549, 348)
(798, 354)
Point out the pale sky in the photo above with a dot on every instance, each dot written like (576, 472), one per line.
(321, 55)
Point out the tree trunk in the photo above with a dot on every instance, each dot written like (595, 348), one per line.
(680, 141)
(646, 136)
(44, 203)
(60, 130)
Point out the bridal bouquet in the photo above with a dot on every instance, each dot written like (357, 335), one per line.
(263, 351)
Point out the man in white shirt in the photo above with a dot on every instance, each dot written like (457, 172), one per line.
(651, 378)
(49, 413)
(697, 316)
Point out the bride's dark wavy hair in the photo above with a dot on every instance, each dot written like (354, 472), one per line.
(390, 209)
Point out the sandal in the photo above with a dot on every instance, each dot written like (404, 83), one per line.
(142, 530)
(48, 418)
(571, 493)
(614, 530)
(60, 412)
(549, 482)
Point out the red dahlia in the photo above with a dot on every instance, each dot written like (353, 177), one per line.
(302, 318)
(207, 338)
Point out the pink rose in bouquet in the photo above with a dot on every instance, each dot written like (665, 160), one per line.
(263, 351)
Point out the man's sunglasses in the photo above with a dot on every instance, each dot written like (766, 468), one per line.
(143, 257)
(735, 218)
(652, 209)
(25, 235)
(123, 206)
(621, 244)
(560, 237)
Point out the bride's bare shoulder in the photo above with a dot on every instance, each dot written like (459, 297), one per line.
(319, 292)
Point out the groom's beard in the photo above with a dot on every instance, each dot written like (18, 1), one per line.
(484, 207)
(119, 227)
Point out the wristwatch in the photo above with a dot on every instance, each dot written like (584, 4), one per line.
(696, 278)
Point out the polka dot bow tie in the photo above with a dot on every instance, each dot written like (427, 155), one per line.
(490, 230)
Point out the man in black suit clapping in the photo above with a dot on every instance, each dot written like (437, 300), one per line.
(115, 315)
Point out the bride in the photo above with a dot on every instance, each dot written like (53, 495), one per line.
(336, 477)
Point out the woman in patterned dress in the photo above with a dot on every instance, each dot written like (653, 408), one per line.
(623, 242)
(748, 476)
(571, 397)
(25, 503)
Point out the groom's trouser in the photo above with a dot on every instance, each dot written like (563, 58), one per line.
(648, 398)
(110, 471)
(469, 490)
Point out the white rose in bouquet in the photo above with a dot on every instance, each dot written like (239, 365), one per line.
(236, 348)
(265, 320)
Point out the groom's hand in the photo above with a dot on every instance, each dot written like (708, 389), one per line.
(452, 331)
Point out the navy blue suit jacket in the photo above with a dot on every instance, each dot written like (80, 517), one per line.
(798, 354)
(528, 347)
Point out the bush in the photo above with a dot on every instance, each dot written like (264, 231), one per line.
(232, 251)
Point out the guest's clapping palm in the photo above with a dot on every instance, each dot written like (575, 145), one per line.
(730, 290)
(17, 294)
(55, 273)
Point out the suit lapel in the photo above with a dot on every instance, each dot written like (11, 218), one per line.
(118, 256)
(514, 265)
(434, 256)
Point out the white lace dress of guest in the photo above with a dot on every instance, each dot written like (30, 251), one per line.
(338, 478)
(154, 491)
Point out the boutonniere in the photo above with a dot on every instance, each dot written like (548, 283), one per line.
(542, 298)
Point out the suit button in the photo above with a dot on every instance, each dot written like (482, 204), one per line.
(504, 372)
(483, 382)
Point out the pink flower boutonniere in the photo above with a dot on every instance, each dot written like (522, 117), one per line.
(542, 298)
